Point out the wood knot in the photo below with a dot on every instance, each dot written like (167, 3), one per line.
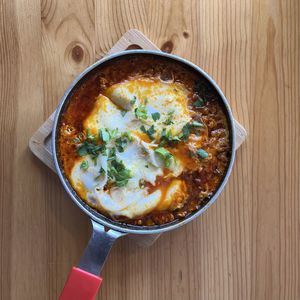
(185, 34)
(167, 47)
(77, 53)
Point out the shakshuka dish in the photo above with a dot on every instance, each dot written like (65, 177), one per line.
(144, 140)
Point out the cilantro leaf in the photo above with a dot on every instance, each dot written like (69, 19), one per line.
(199, 102)
(127, 134)
(166, 155)
(84, 165)
(118, 173)
(186, 129)
(168, 138)
(112, 154)
(123, 141)
(150, 132)
(202, 153)
(155, 116)
(104, 135)
(90, 148)
(196, 124)
(89, 135)
(113, 133)
(170, 118)
(143, 129)
(121, 144)
(141, 112)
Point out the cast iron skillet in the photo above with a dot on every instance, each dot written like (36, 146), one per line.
(83, 281)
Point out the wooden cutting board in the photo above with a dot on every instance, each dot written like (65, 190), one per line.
(40, 142)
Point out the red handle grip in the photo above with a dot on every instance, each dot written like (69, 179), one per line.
(80, 285)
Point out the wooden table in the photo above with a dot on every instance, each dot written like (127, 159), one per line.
(247, 245)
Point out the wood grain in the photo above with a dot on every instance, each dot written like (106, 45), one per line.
(247, 245)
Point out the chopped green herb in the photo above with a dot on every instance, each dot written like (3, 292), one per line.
(123, 113)
(118, 173)
(166, 155)
(89, 136)
(113, 133)
(123, 141)
(199, 102)
(164, 132)
(155, 116)
(186, 129)
(143, 129)
(90, 148)
(170, 118)
(168, 138)
(132, 102)
(196, 124)
(127, 134)
(104, 135)
(150, 132)
(202, 153)
(112, 154)
(146, 166)
(141, 112)
(84, 165)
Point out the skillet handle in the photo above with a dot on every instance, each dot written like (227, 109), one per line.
(80, 285)
(84, 280)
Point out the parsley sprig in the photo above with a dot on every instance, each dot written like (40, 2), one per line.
(150, 131)
(84, 165)
(91, 148)
(169, 119)
(141, 112)
(118, 173)
(123, 141)
(187, 128)
(168, 138)
(155, 116)
(166, 155)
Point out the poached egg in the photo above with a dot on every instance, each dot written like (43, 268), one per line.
(117, 108)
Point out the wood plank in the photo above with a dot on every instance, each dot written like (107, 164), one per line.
(68, 39)
(8, 72)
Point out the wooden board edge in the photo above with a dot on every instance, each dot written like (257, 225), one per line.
(241, 134)
(132, 37)
(37, 143)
